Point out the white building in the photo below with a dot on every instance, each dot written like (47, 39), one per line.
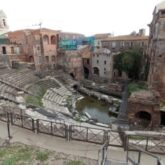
(3, 23)
(102, 63)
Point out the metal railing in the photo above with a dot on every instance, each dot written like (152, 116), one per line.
(149, 142)
(137, 157)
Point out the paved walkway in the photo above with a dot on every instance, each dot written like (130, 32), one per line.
(82, 149)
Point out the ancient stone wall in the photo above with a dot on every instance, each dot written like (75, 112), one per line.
(156, 52)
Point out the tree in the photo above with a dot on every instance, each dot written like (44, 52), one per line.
(130, 62)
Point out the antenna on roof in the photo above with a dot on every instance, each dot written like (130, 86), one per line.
(39, 24)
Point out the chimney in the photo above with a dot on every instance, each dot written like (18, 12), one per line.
(142, 32)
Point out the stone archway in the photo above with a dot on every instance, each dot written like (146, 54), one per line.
(162, 118)
(46, 39)
(86, 72)
(4, 50)
(144, 109)
(72, 75)
(143, 118)
(96, 71)
(53, 40)
(31, 59)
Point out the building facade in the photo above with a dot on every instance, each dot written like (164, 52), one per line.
(3, 23)
(122, 43)
(102, 64)
(72, 63)
(156, 50)
(39, 45)
(9, 52)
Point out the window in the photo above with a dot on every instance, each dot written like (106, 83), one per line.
(4, 50)
(105, 62)
(87, 61)
(53, 58)
(163, 13)
(12, 50)
(4, 22)
(113, 44)
(47, 59)
(97, 61)
(53, 40)
(46, 39)
(105, 70)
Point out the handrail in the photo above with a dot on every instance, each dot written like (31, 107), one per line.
(139, 150)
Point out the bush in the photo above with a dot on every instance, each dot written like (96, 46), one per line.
(42, 156)
(133, 87)
(74, 162)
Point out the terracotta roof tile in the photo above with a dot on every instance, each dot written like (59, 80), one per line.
(126, 37)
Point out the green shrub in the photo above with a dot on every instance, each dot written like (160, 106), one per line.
(133, 87)
(42, 156)
(74, 162)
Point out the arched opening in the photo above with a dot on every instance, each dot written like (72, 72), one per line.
(53, 58)
(143, 118)
(46, 39)
(47, 59)
(96, 71)
(75, 86)
(162, 118)
(86, 72)
(72, 75)
(12, 50)
(53, 40)
(4, 50)
(31, 59)
(4, 22)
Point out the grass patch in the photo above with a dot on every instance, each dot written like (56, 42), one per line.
(32, 100)
(19, 154)
(37, 99)
(14, 155)
(134, 87)
(42, 156)
(137, 137)
(74, 162)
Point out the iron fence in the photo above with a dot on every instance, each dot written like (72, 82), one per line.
(116, 138)
(149, 143)
(3, 117)
(52, 128)
(136, 158)
(22, 121)
(87, 134)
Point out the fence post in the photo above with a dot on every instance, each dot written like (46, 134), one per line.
(8, 125)
(106, 137)
(11, 118)
(68, 129)
(33, 126)
(139, 157)
(21, 120)
(87, 134)
(125, 142)
(37, 126)
(146, 148)
(51, 128)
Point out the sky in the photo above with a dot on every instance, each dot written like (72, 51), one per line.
(88, 17)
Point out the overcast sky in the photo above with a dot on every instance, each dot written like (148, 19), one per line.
(82, 16)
